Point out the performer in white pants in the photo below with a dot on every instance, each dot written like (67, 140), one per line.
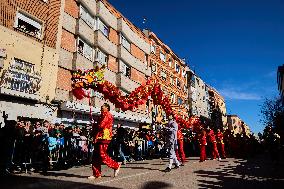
(171, 142)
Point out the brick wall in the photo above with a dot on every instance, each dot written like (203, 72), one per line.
(113, 36)
(71, 8)
(46, 13)
(63, 79)
(112, 64)
(68, 41)
(137, 76)
(138, 53)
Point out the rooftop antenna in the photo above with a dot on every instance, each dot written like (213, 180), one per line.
(144, 20)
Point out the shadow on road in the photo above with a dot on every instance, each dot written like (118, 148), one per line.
(23, 182)
(253, 173)
(58, 174)
(156, 185)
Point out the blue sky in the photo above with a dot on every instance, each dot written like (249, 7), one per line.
(234, 45)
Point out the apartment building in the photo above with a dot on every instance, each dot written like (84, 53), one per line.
(95, 33)
(171, 72)
(217, 109)
(237, 126)
(198, 96)
(29, 56)
(280, 81)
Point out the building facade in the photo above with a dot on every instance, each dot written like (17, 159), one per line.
(198, 96)
(171, 72)
(29, 33)
(237, 126)
(95, 33)
(217, 109)
(280, 81)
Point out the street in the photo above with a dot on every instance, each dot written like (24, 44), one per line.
(228, 173)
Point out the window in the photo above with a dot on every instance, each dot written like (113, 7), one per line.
(153, 48)
(197, 80)
(101, 57)
(84, 49)
(103, 27)
(23, 77)
(172, 81)
(170, 63)
(163, 75)
(28, 25)
(86, 16)
(192, 81)
(165, 91)
(154, 67)
(172, 98)
(180, 101)
(185, 88)
(125, 43)
(184, 73)
(162, 56)
(125, 69)
(178, 82)
(177, 68)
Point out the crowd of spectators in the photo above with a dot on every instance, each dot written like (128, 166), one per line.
(42, 146)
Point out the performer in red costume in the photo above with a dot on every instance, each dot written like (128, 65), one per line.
(212, 140)
(202, 144)
(102, 137)
(180, 152)
(220, 143)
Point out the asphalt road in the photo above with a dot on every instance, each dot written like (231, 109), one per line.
(228, 173)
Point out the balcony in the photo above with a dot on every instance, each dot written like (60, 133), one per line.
(82, 62)
(69, 23)
(105, 44)
(132, 36)
(110, 76)
(126, 56)
(106, 15)
(65, 59)
(125, 83)
(90, 5)
(85, 31)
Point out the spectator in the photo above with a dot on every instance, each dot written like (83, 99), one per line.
(121, 140)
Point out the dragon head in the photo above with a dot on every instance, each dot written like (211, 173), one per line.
(89, 78)
(86, 79)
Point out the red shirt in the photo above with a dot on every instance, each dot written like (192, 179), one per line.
(211, 136)
(220, 137)
(103, 130)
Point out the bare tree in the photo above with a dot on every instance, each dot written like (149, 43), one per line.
(272, 111)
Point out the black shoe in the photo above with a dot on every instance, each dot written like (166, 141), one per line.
(176, 167)
(167, 169)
